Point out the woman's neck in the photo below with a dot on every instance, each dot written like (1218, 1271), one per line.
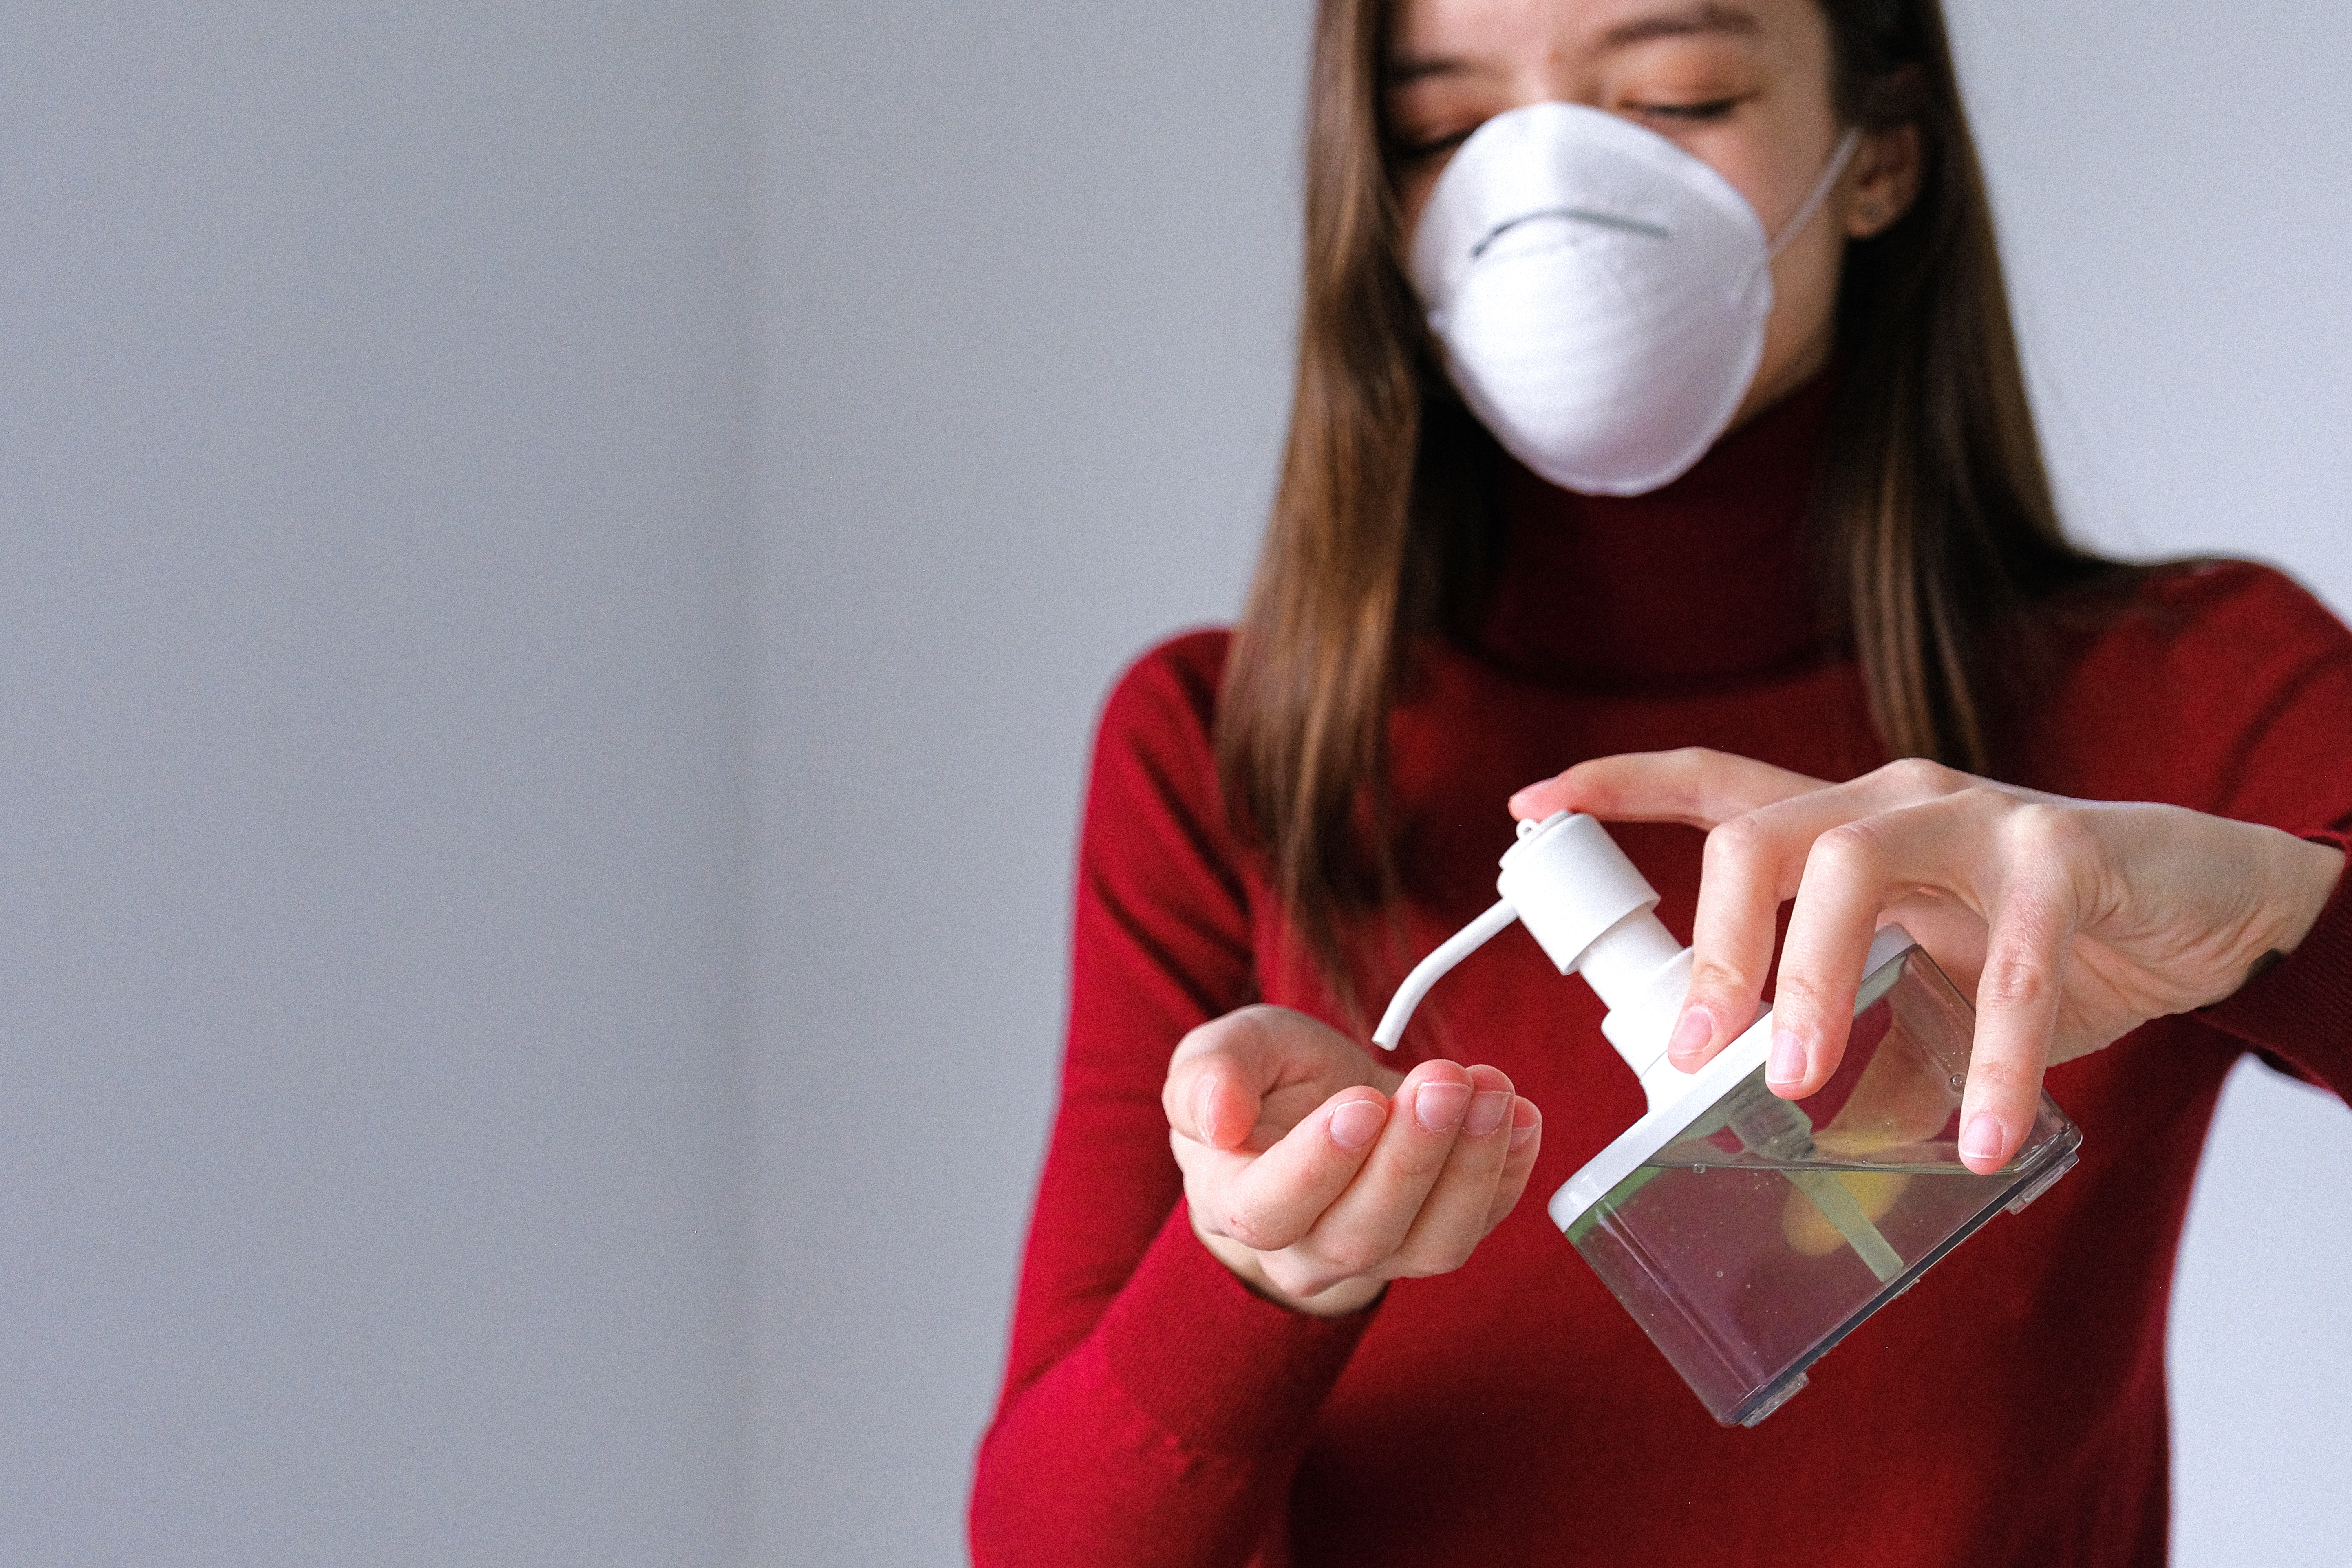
(1707, 580)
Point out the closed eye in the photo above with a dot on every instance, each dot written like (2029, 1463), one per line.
(1685, 113)
(1421, 151)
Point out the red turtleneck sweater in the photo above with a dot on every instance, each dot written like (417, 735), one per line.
(2009, 1410)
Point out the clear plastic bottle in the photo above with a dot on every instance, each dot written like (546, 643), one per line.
(1763, 1231)
(1747, 1234)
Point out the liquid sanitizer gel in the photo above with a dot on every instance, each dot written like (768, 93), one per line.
(1748, 1234)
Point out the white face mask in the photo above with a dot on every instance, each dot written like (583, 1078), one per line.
(1601, 293)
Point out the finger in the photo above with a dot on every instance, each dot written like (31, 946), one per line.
(1526, 1144)
(2018, 995)
(1847, 877)
(1748, 870)
(1703, 788)
(1269, 1201)
(1214, 1080)
(1453, 1217)
(1844, 852)
(1854, 869)
(1364, 1225)
(1224, 1073)
(1692, 785)
(1209, 1101)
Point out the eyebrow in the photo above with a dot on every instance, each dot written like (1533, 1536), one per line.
(1712, 16)
(1709, 16)
(1400, 71)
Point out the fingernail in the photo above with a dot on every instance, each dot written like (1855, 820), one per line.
(1200, 1110)
(1984, 1137)
(1788, 1061)
(1521, 1132)
(1487, 1109)
(1357, 1123)
(1438, 1106)
(1692, 1033)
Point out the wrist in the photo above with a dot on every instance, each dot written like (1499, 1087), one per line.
(1340, 1300)
(2306, 878)
(2297, 881)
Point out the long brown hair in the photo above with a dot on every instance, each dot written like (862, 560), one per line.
(1933, 516)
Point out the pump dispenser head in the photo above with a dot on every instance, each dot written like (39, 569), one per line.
(1591, 911)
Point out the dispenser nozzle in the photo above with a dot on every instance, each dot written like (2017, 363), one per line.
(1425, 974)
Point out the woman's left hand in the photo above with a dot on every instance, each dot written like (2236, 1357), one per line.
(2071, 922)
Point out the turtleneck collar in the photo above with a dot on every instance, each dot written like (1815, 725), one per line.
(1705, 580)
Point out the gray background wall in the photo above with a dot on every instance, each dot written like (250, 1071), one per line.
(560, 561)
(377, 411)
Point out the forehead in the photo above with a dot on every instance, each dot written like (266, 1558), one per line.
(1423, 31)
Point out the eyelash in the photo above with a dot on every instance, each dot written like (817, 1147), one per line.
(1713, 108)
(1421, 151)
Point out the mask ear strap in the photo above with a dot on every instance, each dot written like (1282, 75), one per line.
(1819, 193)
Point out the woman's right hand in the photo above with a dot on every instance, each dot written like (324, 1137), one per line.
(1317, 1175)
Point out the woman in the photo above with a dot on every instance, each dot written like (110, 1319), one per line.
(1706, 547)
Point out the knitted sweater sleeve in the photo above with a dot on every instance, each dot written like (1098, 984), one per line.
(1153, 1409)
(2289, 764)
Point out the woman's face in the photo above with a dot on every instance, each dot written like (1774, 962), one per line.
(1744, 85)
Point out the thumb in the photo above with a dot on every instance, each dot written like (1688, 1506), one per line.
(1222, 1107)
(1212, 1094)
(1222, 1072)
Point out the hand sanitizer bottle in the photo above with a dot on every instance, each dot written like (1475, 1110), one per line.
(1747, 1234)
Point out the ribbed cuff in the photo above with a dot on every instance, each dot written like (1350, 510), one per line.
(2301, 1009)
(1224, 1370)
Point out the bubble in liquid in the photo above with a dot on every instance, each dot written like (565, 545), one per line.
(1957, 1080)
